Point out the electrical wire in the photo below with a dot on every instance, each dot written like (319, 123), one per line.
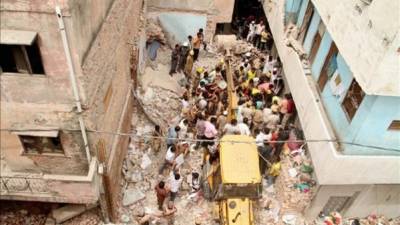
(194, 140)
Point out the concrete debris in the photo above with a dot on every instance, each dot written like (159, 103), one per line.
(69, 211)
(146, 162)
(136, 177)
(50, 221)
(132, 196)
(125, 218)
(154, 31)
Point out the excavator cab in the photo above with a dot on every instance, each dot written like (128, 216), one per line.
(236, 182)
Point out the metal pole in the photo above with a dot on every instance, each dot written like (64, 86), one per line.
(73, 81)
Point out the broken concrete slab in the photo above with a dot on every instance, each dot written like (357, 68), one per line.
(69, 211)
(146, 161)
(136, 177)
(132, 196)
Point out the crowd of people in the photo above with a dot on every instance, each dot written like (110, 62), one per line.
(262, 113)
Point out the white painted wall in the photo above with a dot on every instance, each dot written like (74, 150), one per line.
(331, 167)
(369, 43)
(378, 199)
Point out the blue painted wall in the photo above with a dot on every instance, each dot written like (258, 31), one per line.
(312, 30)
(321, 55)
(302, 13)
(291, 10)
(180, 25)
(370, 123)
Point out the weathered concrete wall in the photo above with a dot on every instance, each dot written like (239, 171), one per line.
(367, 199)
(224, 10)
(372, 48)
(87, 17)
(72, 163)
(331, 167)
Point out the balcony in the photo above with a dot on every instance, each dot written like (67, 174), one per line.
(51, 188)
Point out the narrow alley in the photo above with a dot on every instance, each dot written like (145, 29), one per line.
(185, 113)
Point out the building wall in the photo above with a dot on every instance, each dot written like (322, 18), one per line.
(74, 161)
(371, 49)
(331, 166)
(87, 18)
(365, 199)
(370, 123)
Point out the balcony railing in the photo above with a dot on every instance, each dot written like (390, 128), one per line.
(51, 188)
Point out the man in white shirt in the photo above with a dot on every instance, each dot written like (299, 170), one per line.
(244, 128)
(169, 158)
(183, 124)
(259, 29)
(252, 31)
(175, 182)
(232, 127)
(262, 136)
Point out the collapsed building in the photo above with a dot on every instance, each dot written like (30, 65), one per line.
(46, 155)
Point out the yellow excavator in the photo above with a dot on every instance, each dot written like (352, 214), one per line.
(235, 183)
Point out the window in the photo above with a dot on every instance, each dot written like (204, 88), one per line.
(316, 42)
(394, 125)
(21, 59)
(41, 145)
(353, 99)
(306, 22)
(329, 67)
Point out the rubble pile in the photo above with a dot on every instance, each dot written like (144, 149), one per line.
(140, 172)
(294, 184)
(154, 31)
(91, 217)
(156, 100)
(21, 217)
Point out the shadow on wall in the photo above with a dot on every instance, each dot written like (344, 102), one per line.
(177, 26)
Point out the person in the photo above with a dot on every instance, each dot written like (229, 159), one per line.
(189, 65)
(264, 39)
(199, 128)
(221, 122)
(264, 151)
(260, 27)
(244, 127)
(272, 120)
(287, 109)
(169, 213)
(262, 136)
(274, 170)
(232, 127)
(190, 42)
(172, 137)
(183, 53)
(175, 182)
(183, 125)
(174, 59)
(251, 74)
(210, 132)
(201, 31)
(156, 140)
(252, 31)
(161, 193)
(169, 159)
(257, 119)
(195, 184)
